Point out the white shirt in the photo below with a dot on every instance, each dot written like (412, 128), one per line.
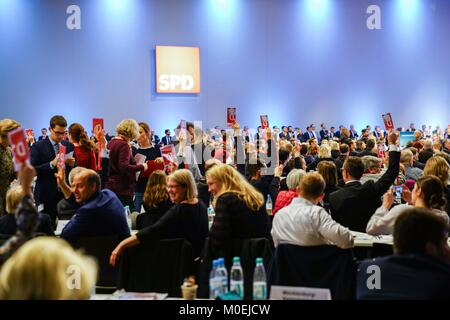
(383, 220)
(305, 224)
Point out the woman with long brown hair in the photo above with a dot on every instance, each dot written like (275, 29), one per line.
(156, 200)
(84, 148)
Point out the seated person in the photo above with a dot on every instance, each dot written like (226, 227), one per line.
(64, 208)
(407, 160)
(428, 193)
(26, 215)
(98, 212)
(420, 266)
(8, 224)
(239, 208)
(285, 197)
(41, 270)
(187, 219)
(372, 168)
(305, 223)
(156, 200)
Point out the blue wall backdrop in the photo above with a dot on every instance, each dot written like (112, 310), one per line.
(299, 61)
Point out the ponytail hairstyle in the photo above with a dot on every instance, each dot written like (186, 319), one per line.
(78, 135)
(433, 191)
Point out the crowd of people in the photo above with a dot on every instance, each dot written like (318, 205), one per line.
(323, 186)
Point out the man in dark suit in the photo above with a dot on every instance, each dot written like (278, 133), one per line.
(353, 133)
(44, 157)
(324, 134)
(98, 212)
(309, 134)
(420, 266)
(167, 139)
(44, 134)
(354, 204)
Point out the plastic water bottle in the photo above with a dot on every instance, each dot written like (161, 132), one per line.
(259, 281)
(237, 278)
(214, 281)
(128, 216)
(269, 205)
(222, 273)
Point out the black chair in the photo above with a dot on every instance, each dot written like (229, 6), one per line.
(381, 250)
(101, 248)
(160, 266)
(315, 266)
(248, 250)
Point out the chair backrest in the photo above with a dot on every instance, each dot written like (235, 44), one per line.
(315, 266)
(248, 250)
(159, 266)
(101, 248)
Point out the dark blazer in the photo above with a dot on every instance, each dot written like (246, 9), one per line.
(367, 153)
(354, 204)
(234, 220)
(102, 215)
(406, 276)
(306, 136)
(46, 189)
(324, 134)
(152, 215)
(8, 224)
(164, 140)
(187, 221)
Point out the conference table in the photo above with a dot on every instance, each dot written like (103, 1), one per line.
(62, 223)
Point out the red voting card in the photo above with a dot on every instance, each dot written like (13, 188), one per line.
(19, 147)
(97, 122)
(62, 156)
(168, 154)
(152, 166)
(264, 121)
(388, 123)
(231, 116)
(29, 132)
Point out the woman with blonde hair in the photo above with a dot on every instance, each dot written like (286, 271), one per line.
(239, 208)
(156, 200)
(439, 167)
(47, 268)
(187, 219)
(7, 174)
(8, 224)
(122, 166)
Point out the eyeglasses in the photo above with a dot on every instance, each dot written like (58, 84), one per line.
(58, 133)
(173, 186)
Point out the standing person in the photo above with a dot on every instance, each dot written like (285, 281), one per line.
(122, 166)
(44, 134)
(147, 149)
(167, 139)
(84, 148)
(44, 157)
(7, 174)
